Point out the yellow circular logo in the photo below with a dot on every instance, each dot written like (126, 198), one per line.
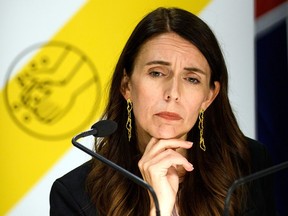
(52, 90)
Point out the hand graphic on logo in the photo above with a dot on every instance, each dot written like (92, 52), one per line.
(56, 83)
(50, 99)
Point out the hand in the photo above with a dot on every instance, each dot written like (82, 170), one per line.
(158, 167)
(45, 100)
(49, 90)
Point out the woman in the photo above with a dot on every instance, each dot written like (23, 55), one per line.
(176, 130)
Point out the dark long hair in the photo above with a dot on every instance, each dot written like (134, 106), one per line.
(202, 191)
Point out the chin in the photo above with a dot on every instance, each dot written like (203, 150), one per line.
(167, 133)
(170, 135)
(161, 136)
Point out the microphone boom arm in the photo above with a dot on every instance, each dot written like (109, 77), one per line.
(249, 178)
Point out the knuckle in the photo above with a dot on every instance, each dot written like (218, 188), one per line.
(140, 163)
(169, 151)
(145, 167)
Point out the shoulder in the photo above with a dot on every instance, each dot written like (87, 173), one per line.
(68, 195)
(260, 158)
(77, 176)
(261, 201)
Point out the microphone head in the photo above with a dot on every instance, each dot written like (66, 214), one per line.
(104, 128)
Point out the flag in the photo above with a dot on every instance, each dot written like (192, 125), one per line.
(272, 88)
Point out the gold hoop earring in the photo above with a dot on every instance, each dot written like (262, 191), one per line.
(129, 120)
(201, 129)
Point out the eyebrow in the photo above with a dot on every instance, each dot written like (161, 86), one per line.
(190, 69)
(158, 62)
(194, 69)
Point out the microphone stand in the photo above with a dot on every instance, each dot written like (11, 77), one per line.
(249, 178)
(116, 167)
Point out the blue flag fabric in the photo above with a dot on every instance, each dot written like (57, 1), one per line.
(272, 102)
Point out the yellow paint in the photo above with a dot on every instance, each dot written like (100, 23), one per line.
(37, 135)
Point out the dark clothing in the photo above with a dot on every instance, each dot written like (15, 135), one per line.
(69, 197)
(261, 199)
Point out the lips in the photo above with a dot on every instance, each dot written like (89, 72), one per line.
(169, 116)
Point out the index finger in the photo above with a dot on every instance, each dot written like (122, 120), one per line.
(155, 145)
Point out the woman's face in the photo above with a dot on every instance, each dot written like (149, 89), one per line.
(168, 87)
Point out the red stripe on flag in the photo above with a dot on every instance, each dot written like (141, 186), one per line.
(263, 6)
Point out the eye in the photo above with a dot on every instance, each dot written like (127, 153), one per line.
(192, 80)
(156, 74)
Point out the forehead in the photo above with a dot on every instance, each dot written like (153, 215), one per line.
(170, 46)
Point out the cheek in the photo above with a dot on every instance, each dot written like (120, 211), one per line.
(192, 107)
(143, 99)
(192, 115)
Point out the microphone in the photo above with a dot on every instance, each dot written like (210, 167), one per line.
(251, 177)
(105, 128)
(101, 128)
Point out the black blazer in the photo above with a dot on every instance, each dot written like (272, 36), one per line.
(68, 195)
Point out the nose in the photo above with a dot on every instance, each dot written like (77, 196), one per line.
(172, 91)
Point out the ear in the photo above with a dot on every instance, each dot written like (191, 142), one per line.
(213, 92)
(125, 86)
